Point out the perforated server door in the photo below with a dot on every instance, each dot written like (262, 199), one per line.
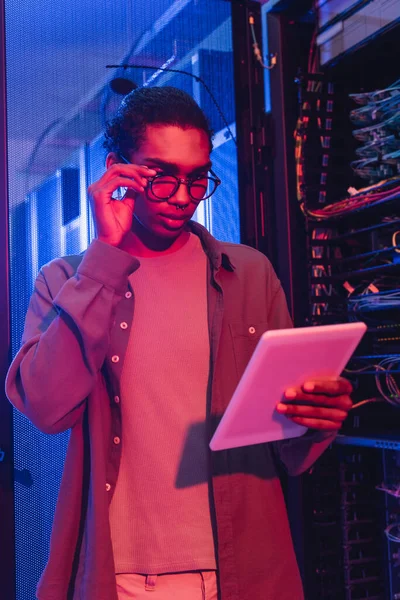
(58, 99)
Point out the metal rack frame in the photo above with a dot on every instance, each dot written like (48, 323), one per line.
(7, 559)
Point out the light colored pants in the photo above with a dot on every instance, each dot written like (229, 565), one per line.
(200, 585)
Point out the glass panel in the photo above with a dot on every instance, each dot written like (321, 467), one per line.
(59, 99)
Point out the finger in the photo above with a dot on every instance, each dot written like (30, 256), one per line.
(102, 194)
(107, 189)
(312, 412)
(132, 172)
(146, 171)
(141, 182)
(128, 202)
(120, 204)
(297, 396)
(335, 387)
(318, 424)
(129, 170)
(137, 185)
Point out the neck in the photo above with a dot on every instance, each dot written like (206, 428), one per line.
(141, 242)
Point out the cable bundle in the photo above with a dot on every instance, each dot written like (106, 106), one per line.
(383, 192)
(314, 123)
(379, 157)
(368, 301)
(379, 117)
(364, 98)
(390, 535)
(384, 378)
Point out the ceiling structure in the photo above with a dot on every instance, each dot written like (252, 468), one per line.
(57, 82)
(57, 54)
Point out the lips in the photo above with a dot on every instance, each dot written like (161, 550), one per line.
(174, 217)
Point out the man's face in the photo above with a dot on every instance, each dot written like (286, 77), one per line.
(172, 151)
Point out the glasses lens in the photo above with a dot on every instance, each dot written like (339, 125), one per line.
(202, 188)
(164, 186)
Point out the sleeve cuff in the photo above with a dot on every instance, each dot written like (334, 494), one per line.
(108, 265)
(320, 436)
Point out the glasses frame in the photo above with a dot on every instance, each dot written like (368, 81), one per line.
(179, 181)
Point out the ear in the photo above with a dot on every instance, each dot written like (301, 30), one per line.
(111, 159)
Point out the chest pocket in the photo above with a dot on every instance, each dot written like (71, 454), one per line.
(244, 339)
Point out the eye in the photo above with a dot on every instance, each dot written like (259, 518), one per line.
(163, 173)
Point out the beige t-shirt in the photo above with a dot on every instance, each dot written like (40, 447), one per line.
(160, 512)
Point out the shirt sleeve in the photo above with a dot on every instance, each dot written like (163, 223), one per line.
(66, 336)
(297, 455)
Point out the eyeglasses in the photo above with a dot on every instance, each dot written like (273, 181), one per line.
(163, 187)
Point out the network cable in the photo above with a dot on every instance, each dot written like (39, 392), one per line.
(383, 377)
(391, 536)
(357, 200)
(256, 48)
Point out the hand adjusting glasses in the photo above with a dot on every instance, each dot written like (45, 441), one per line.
(163, 186)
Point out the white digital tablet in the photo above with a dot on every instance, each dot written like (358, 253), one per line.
(283, 358)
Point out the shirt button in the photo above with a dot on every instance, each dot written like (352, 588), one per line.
(116, 399)
(115, 358)
(108, 487)
(117, 440)
(123, 325)
(252, 330)
(128, 295)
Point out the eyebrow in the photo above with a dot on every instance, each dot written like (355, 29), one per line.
(174, 168)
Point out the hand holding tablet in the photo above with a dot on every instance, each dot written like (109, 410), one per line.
(285, 360)
(320, 405)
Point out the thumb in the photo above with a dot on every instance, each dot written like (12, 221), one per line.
(129, 202)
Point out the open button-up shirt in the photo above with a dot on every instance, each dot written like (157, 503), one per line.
(67, 375)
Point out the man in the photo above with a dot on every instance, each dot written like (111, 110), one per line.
(137, 346)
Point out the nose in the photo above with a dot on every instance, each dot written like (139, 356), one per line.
(181, 197)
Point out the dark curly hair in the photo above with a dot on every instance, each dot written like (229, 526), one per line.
(150, 106)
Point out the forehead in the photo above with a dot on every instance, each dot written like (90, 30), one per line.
(188, 148)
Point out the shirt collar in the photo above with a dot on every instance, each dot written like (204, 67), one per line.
(213, 248)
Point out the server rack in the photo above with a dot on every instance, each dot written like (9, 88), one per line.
(346, 510)
(7, 560)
